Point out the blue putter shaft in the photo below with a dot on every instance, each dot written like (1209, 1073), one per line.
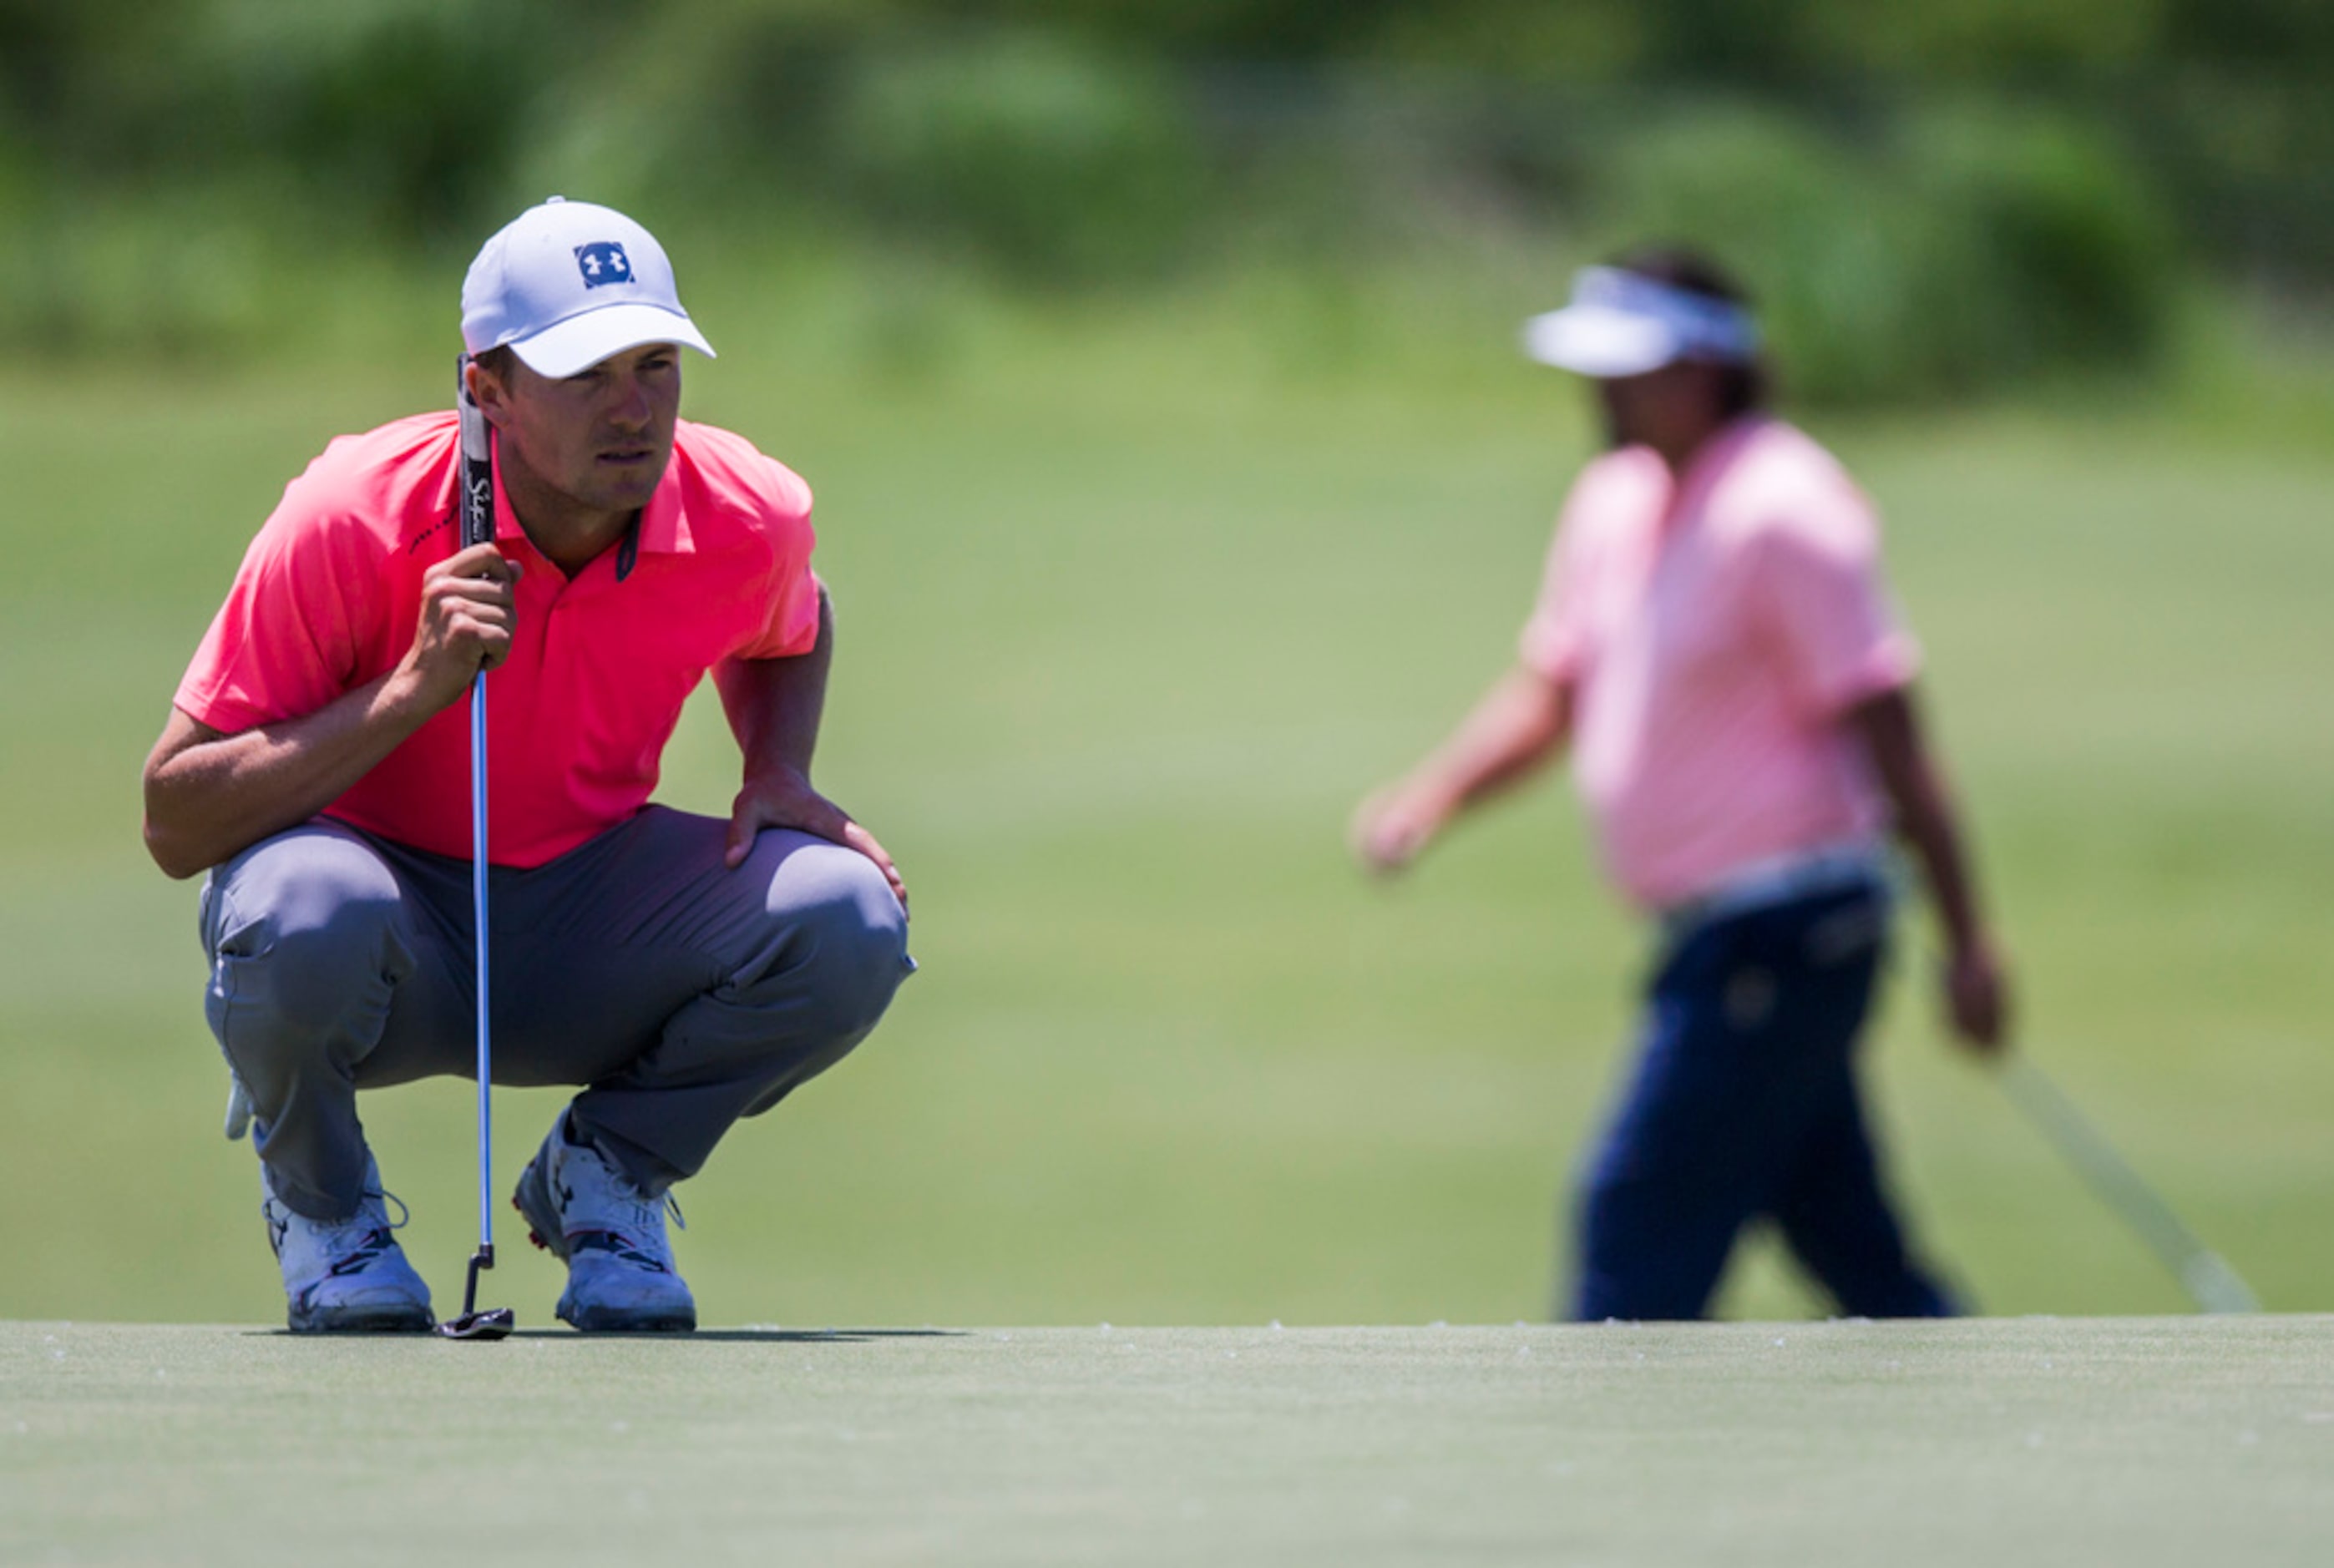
(476, 506)
(478, 919)
(478, 526)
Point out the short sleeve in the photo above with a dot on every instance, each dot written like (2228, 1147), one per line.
(285, 641)
(792, 591)
(1551, 642)
(1817, 577)
(792, 628)
(1554, 637)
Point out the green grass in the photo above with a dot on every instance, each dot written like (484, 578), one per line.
(1127, 622)
(2134, 1441)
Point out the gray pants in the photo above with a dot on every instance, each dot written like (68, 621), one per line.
(681, 994)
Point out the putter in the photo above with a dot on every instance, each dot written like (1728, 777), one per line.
(2205, 1275)
(478, 502)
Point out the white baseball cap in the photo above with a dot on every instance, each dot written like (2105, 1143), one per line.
(1622, 323)
(567, 283)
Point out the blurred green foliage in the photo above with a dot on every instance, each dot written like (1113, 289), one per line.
(1057, 162)
(1968, 251)
(1936, 198)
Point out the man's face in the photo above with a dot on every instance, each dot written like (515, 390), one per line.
(1655, 407)
(600, 438)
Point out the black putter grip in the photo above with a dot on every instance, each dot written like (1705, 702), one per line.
(478, 464)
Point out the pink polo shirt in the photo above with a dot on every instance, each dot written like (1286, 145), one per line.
(1713, 631)
(329, 595)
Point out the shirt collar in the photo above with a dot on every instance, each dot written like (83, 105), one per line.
(1691, 490)
(665, 521)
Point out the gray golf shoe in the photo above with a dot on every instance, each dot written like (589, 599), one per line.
(621, 1277)
(346, 1276)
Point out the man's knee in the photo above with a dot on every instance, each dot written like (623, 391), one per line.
(859, 937)
(301, 928)
(838, 944)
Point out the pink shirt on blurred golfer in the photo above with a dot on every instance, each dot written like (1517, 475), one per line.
(330, 592)
(1715, 631)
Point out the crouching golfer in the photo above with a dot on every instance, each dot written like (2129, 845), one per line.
(684, 971)
(1714, 641)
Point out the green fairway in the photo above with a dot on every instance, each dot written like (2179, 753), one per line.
(1126, 625)
(2134, 1442)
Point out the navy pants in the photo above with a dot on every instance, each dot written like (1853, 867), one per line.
(1744, 1105)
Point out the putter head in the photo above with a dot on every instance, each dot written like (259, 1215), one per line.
(493, 1324)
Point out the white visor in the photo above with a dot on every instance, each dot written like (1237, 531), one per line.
(1621, 324)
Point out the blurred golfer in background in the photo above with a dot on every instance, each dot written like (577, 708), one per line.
(685, 971)
(1713, 643)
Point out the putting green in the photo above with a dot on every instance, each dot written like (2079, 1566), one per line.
(2131, 1441)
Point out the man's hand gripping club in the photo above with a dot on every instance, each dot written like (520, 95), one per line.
(469, 611)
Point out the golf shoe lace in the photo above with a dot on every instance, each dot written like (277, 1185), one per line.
(375, 1237)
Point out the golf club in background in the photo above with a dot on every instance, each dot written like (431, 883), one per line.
(478, 505)
(2205, 1275)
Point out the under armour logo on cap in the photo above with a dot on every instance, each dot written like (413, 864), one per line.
(602, 262)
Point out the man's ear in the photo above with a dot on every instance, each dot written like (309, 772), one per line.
(489, 392)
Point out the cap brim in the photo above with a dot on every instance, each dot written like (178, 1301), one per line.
(1591, 341)
(580, 342)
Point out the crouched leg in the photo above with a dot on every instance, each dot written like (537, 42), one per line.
(309, 937)
(811, 944)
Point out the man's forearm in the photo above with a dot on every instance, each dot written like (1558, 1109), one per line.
(1976, 994)
(1935, 838)
(1890, 732)
(210, 796)
(1519, 724)
(774, 704)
